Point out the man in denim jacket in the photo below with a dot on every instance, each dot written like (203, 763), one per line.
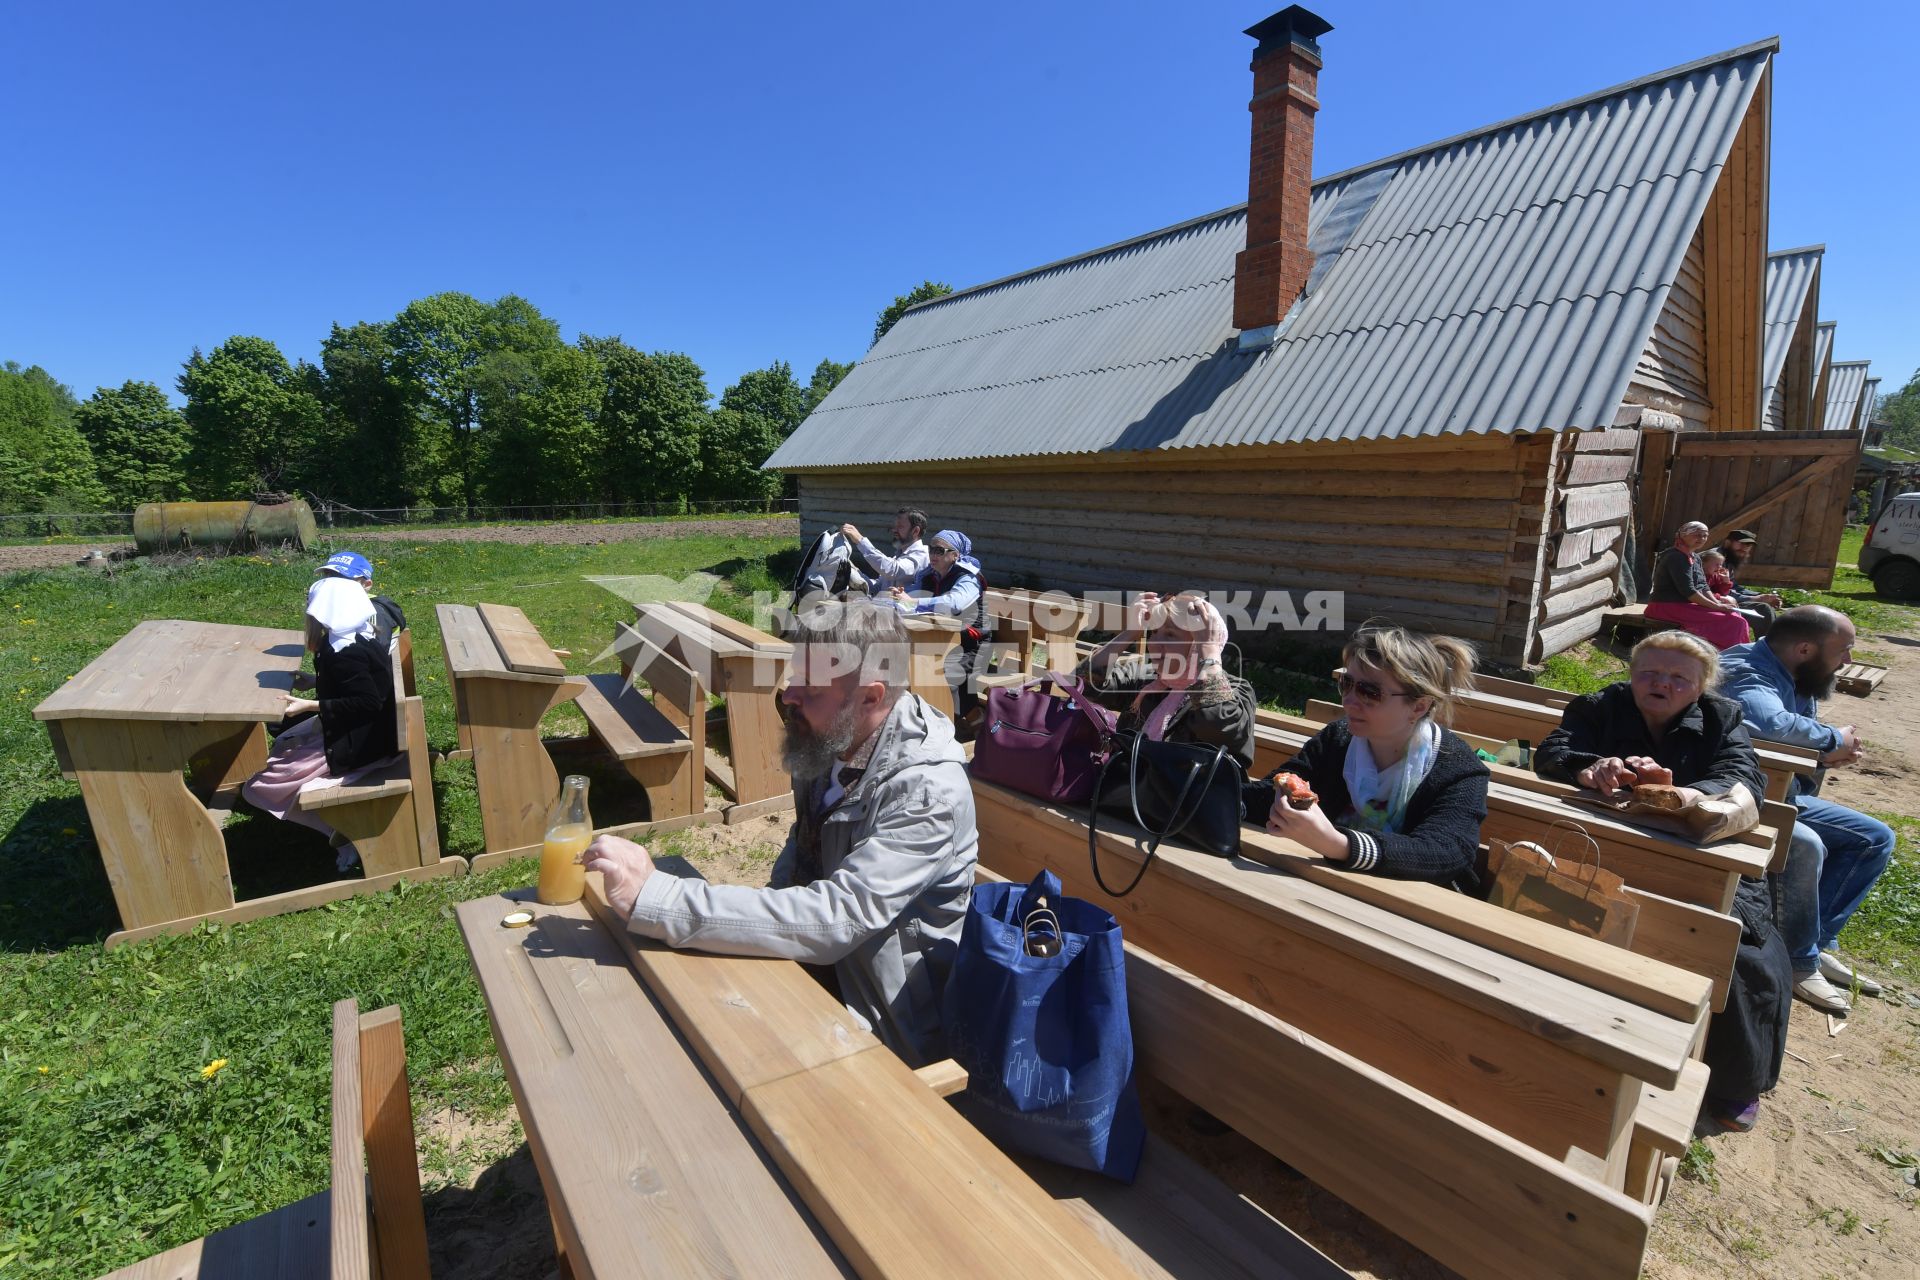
(1837, 853)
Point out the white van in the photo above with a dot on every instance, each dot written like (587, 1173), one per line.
(1891, 553)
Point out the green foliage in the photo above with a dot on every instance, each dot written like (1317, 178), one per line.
(139, 443)
(45, 463)
(736, 444)
(925, 291)
(541, 439)
(652, 415)
(255, 420)
(440, 344)
(381, 450)
(1900, 410)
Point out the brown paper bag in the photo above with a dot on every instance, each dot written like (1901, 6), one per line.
(1562, 881)
(1704, 820)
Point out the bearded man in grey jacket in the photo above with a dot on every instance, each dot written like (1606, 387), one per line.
(879, 865)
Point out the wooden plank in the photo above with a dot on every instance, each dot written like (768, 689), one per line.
(469, 647)
(904, 1186)
(1667, 1116)
(350, 1235)
(648, 1172)
(945, 1077)
(1596, 504)
(1775, 495)
(1178, 1222)
(1859, 678)
(751, 1021)
(521, 646)
(1685, 936)
(513, 771)
(293, 900)
(1470, 1196)
(1445, 1015)
(393, 1168)
(286, 1244)
(1599, 468)
(626, 723)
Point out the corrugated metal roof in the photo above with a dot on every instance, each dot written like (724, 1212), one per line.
(1823, 347)
(1505, 280)
(1869, 398)
(1790, 277)
(1849, 378)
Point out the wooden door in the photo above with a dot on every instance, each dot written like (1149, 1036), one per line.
(1789, 487)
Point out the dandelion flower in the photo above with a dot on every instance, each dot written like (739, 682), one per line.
(213, 1068)
(43, 1070)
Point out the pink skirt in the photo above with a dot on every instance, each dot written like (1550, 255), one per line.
(1721, 630)
(298, 758)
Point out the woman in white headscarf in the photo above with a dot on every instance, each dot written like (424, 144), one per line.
(348, 726)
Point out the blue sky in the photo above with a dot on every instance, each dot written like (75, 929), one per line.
(750, 183)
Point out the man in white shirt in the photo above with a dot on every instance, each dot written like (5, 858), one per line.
(909, 561)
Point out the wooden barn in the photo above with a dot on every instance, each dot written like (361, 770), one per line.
(1425, 382)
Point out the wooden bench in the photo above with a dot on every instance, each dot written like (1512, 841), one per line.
(745, 666)
(664, 755)
(1631, 618)
(790, 1057)
(505, 678)
(1540, 1056)
(388, 813)
(1692, 930)
(646, 1160)
(371, 1221)
(1473, 1196)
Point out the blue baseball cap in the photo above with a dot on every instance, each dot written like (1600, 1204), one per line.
(347, 564)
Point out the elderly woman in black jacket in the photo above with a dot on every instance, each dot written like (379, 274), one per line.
(1665, 725)
(1179, 692)
(1662, 725)
(1394, 794)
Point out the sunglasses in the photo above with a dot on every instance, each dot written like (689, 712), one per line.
(1367, 691)
(941, 551)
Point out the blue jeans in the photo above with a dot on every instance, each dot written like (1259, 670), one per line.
(1835, 856)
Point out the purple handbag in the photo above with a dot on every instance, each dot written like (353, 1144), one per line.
(1040, 745)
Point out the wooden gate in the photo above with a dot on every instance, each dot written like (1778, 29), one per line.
(1789, 487)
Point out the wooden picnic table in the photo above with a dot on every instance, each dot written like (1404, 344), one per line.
(166, 700)
(646, 1161)
(504, 679)
(747, 667)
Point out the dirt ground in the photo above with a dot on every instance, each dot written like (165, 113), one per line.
(54, 555)
(1807, 1194)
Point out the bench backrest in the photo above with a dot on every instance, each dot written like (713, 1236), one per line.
(379, 1225)
(677, 691)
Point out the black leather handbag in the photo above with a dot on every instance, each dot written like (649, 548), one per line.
(1181, 791)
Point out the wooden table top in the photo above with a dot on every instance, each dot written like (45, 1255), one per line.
(733, 629)
(645, 1162)
(474, 653)
(166, 669)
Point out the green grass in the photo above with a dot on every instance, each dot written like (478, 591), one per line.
(112, 1145)
(1886, 929)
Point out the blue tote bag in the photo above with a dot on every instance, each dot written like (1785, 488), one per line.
(1036, 1011)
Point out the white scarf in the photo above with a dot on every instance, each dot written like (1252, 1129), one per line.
(1380, 797)
(342, 606)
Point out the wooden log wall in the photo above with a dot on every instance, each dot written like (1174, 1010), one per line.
(1420, 532)
(1671, 376)
(1590, 503)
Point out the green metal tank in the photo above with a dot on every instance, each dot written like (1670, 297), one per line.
(222, 526)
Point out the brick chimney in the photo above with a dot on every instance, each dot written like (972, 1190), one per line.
(1272, 270)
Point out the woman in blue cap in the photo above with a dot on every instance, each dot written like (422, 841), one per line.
(952, 588)
(388, 620)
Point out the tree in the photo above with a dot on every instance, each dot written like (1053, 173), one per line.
(382, 450)
(541, 438)
(45, 463)
(1901, 412)
(736, 444)
(925, 291)
(441, 342)
(255, 420)
(653, 413)
(770, 393)
(139, 442)
(827, 375)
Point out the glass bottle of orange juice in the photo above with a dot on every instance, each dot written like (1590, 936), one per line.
(569, 831)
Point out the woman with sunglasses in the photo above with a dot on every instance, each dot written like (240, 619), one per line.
(1177, 692)
(1395, 794)
(953, 588)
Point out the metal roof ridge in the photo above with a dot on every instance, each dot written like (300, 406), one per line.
(1848, 364)
(1788, 253)
(1770, 45)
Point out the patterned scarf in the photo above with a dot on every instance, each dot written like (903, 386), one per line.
(1379, 798)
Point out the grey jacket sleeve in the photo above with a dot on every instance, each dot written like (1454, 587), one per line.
(912, 846)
